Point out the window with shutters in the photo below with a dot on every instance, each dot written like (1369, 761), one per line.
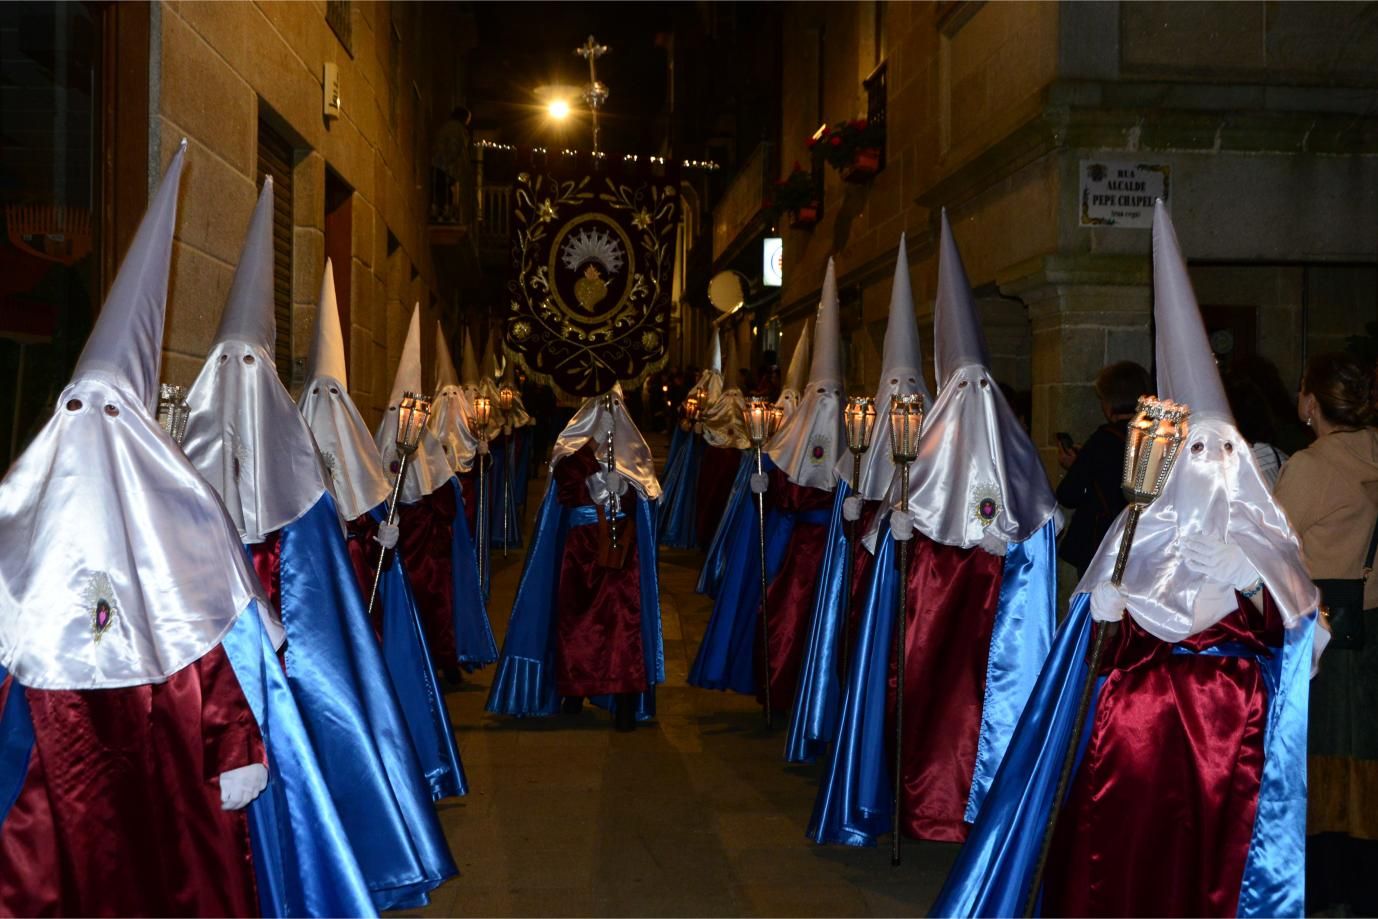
(275, 157)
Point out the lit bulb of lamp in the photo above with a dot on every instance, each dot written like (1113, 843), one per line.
(558, 109)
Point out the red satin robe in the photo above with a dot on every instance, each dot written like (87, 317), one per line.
(1161, 809)
(119, 814)
(950, 612)
(789, 597)
(425, 542)
(598, 647)
(717, 470)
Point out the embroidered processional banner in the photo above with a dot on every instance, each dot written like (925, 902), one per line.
(593, 253)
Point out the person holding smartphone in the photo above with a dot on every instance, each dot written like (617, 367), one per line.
(1091, 487)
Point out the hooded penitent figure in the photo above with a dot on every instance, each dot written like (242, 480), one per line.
(798, 485)
(677, 516)
(510, 448)
(1190, 796)
(979, 603)
(723, 468)
(361, 488)
(247, 438)
(142, 706)
(435, 545)
(813, 721)
(586, 621)
(796, 377)
(451, 410)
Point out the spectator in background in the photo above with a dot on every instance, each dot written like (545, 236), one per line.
(1330, 493)
(1091, 487)
(1289, 434)
(1255, 421)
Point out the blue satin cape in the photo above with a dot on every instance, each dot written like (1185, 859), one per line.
(497, 494)
(474, 642)
(303, 863)
(727, 657)
(676, 516)
(525, 680)
(813, 720)
(423, 705)
(856, 793)
(344, 691)
(993, 870)
(741, 504)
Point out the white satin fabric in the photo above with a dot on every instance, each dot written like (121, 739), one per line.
(449, 423)
(103, 506)
(977, 476)
(357, 477)
(1214, 490)
(709, 387)
(722, 422)
(245, 435)
(807, 445)
(631, 454)
(429, 468)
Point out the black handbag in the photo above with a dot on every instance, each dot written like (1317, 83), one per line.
(1343, 599)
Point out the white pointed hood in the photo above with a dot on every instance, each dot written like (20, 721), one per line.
(468, 368)
(1214, 488)
(451, 410)
(809, 442)
(429, 468)
(487, 385)
(710, 381)
(118, 566)
(795, 380)
(901, 373)
(978, 477)
(357, 477)
(630, 451)
(244, 432)
(518, 417)
(722, 421)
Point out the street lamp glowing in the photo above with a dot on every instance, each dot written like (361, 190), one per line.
(558, 109)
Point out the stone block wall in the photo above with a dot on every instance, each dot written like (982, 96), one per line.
(217, 69)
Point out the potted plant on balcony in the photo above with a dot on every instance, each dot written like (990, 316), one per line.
(852, 148)
(796, 197)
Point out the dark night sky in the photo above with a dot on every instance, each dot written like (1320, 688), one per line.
(524, 45)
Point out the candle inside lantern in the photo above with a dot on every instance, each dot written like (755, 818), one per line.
(757, 415)
(483, 412)
(906, 422)
(860, 422)
(506, 396)
(691, 407)
(412, 413)
(1155, 436)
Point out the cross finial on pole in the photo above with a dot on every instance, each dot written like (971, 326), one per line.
(595, 94)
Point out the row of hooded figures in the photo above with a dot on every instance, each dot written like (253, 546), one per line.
(219, 653)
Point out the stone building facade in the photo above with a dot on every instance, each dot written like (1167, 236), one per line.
(1262, 114)
(243, 82)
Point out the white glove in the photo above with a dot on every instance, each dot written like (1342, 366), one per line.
(698, 427)
(993, 543)
(387, 535)
(616, 484)
(1218, 560)
(483, 447)
(759, 483)
(507, 430)
(1107, 602)
(851, 508)
(901, 527)
(685, 425)
(240, 786)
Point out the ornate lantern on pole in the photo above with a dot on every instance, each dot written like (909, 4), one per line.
(483, 414)
(858, 422)
(693, 403)
(507, 397)
(1154, 440)
(412, 414)
(906, 424)
(762, 421)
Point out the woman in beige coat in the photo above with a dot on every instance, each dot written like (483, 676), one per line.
(1330, 492)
